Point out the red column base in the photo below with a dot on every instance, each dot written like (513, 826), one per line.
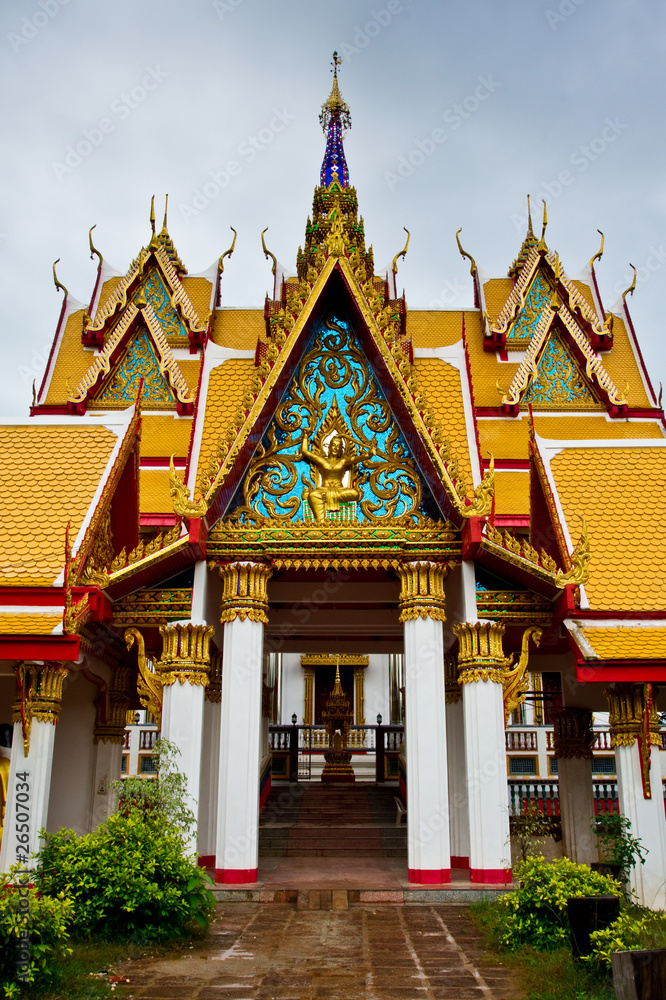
(459, 862)
(206, 860)
(235, 876)
(491, 876)
(430, 876)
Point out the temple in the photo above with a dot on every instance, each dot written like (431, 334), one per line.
(265, 529)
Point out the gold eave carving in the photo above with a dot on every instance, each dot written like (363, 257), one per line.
(479, 506)
(333, 659)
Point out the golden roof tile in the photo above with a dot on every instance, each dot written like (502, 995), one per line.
(28, 624)
(434, 328)
(620, 363)
(508, 439)
(71, 364)
(627, 642)
(620, 492)
(496, 291)
(586, 292)
(441, 384)
(486, 371)
(163, 435)
(238, 328)
(226, 385)
(154, 497)
(512, 492)
(49, 475)
(199, 291)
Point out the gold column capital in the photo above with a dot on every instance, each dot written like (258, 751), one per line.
(185, 654)
(39, 695)
(422, 591)
(244, 592)
(628, 705)
(572, 734)
(480, 653)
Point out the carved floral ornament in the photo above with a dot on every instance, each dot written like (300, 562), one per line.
(39, 695)
(481, 658)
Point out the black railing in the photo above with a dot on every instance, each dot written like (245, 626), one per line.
(289, 744)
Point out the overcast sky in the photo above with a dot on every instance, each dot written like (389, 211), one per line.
(105, 104)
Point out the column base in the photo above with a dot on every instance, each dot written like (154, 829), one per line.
(459, 862)
(430, 876)
(491, 876)
(235, 876)
(206, 861)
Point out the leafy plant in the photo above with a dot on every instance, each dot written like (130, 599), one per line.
(616, 844)
(536, 914)
(634, 928)
(128, 879)
(531, 828)
(34, 935)
(164, 795)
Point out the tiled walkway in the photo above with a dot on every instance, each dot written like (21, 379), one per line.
(269, 952)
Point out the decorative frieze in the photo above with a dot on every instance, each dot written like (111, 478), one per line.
(244, 593)
(422, 591)
(572, 734)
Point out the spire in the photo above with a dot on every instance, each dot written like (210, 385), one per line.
(163, 239)
(335, 119)
(529, 243)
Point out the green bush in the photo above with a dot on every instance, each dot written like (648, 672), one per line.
(633, 929)
(536, 914)
(128, 879)
(34, 934)
(164, 795)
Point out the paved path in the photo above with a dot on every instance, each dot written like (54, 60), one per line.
(269, 952)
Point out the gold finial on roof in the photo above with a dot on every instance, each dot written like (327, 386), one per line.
(463, 253)
(402, 253)
(599, 252)
(629, 291)
(267, 252)
(542, 244)
(334, 106)
(530, 231)
(166, 205)
(93, 248)
(227, 253)
(528, 245)
(152, 214)
(57, 283)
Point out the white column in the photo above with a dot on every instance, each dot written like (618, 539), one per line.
(236, 859)
(573, 740)
(182, 724)
(210, 762)
(27, 794)
(106, 769)
(648, 823)
(480, 661)
(457, 774)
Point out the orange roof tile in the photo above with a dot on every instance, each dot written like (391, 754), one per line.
(486, 370)
(441, 383)
(512, 492)
(154, 495)
(71, 364)
(49, 475)
(238, 328)
(508, 439)
(199, 291)
(163, 435)
(226, 385)
(434, 328)
(627, 642)
(620, 492)
(26, 624)
(496, 291)
(620, 363)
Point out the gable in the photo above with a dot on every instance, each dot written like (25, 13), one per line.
(160, 300)
(558, 381)
(333, 394)
(138, 361)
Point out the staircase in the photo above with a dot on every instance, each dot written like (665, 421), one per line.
(331, 821)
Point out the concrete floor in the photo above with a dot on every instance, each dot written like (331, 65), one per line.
(270, 952)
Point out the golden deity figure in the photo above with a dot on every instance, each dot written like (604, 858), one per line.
(333, 467)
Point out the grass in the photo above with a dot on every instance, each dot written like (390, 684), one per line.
(77, 977)
(543, 975)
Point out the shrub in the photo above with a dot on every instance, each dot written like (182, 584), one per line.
(531, 828)
(34, 934)
(164, 795)
(632, 929)
(616, 844)
(536, 914)
(128, 879)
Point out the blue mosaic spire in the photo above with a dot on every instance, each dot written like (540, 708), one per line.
(335, 119)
